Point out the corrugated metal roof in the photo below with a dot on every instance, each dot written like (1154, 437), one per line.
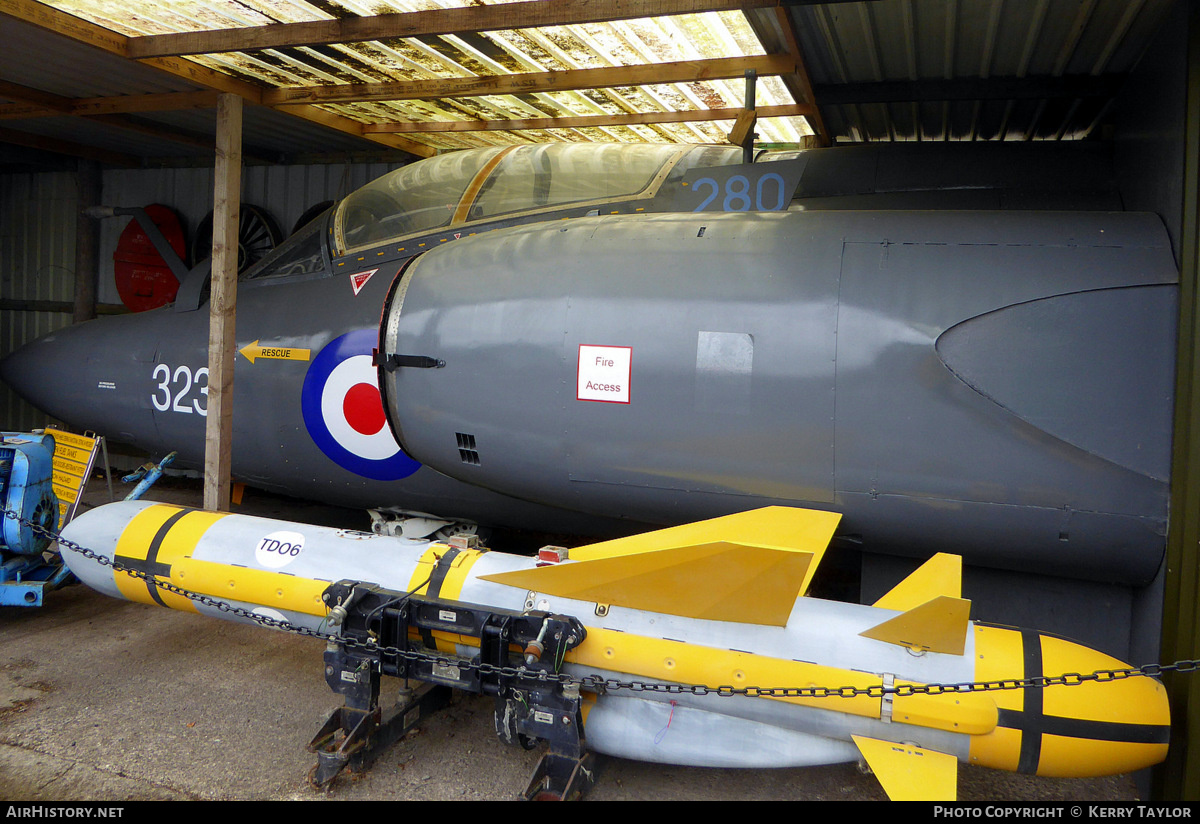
(427, 75)
(972, 69)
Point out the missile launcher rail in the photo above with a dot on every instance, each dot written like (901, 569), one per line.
(384, 632)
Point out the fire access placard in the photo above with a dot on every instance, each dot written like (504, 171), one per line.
(604, 373)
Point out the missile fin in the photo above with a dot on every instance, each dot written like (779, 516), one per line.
(938, 625)
(747, 567)
(940, 575)
(910, 773)
(790, 527)
(718, 581)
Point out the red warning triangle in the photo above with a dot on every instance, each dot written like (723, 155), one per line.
(359, 280)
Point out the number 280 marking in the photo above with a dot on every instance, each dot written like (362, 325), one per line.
(181, 382)
(738, 195)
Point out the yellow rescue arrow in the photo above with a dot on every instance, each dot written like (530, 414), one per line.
(253, 350)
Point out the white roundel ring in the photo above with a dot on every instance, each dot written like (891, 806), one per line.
(353, 410)
(343, 410)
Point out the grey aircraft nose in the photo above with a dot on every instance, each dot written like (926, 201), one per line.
(91, 376)
(35, 372)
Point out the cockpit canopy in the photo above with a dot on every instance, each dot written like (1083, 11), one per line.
(491, 183)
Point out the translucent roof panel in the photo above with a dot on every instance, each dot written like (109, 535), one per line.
(462, 56)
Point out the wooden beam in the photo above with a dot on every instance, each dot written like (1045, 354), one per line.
(685, 71)
(98, 111)
(68, 25)
(743, 129)
(135, 103)
(121, 104)
(82, 31)
(172, 135)
(37, 98)
(469, 19)
(218, 452)
(25, 111)
(194, 72)
(67, 147)
(586, 121)
(799, 82)
(120, 121)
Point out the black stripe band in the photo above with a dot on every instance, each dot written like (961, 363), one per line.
(1082, 728)
(152, 555)
(1031, 738)
(149, 567)
(440, 570)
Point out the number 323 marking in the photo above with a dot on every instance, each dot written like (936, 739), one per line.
(182, 381)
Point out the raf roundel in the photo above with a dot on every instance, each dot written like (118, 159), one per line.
(343, 410)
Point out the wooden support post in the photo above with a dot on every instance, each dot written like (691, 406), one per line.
(222, 307)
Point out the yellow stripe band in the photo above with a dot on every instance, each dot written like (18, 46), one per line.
(685, 663)
(140, 547)
(445, 569)
(251, 586)
(160, 540)
(454, 572)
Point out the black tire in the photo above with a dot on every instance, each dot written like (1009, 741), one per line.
(258, 234)
(311, 213)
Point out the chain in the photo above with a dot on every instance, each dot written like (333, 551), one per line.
(595, 683)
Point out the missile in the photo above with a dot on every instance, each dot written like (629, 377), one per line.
(792, 680)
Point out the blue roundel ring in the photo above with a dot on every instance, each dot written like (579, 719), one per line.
(344, 365)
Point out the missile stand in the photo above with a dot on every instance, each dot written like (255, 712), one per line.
(400, 634)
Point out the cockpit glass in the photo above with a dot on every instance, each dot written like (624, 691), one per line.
(416, 198)
(707, 156)
(426, 195)
(539, 177)
(300, 254)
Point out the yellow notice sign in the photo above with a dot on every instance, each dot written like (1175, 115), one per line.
(253, 350)
(73, 459)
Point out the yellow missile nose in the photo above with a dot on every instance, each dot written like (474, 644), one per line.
(1088, 729)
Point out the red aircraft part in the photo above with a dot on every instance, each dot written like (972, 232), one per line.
(144, 280)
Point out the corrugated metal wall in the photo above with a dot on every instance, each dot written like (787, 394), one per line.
(37, 262)
(37, 235)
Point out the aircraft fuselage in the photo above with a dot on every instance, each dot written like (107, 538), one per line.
(996, 384)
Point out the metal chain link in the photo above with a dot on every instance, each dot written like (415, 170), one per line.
(596, 683)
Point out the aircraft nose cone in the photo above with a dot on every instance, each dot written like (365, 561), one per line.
(1079, 728)
(86, 375)
(33, 370)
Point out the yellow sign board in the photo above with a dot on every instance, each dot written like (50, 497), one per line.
(73, 459)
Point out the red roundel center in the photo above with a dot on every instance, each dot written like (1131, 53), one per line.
(363, 408)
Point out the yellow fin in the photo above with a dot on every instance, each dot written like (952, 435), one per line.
(939, 625)
(910, 773)
(940, 575)
(749, 567)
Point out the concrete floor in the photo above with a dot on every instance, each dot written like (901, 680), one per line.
(106, 700)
